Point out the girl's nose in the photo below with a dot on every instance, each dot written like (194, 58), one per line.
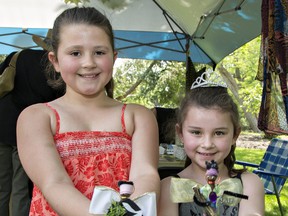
(89, 61)
(207, 142)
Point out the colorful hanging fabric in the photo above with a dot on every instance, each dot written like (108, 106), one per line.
(273, 67)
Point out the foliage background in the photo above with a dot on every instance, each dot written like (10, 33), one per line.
(162, 83)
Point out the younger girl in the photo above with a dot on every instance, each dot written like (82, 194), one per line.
(85, 138)
(208, 125)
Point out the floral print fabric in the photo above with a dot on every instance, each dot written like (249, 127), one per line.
(91, 159)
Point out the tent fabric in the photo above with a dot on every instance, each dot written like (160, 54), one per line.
(273, 115)
(130, 44)
(206, 30)
(218, 27)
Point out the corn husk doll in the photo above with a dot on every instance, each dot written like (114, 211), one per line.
(109, 202)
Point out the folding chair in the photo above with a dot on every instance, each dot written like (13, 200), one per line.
(273, 169)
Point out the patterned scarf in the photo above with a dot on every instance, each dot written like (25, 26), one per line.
(273, 67)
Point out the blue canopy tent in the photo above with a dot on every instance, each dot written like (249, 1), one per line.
(130, 44)
(205, 31)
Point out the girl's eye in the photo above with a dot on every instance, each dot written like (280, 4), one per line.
(195, 132)
(75, 53)
(219, 133)
(99, 53)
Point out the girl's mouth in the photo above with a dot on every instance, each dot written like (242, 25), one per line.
(206, 154)
(88, 75)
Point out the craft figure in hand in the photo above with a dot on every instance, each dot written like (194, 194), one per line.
(109, 202)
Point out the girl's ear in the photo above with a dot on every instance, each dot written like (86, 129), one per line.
(115, 56)
(179, 132)
(53, 59)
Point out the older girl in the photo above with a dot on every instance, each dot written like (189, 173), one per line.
(85, 138)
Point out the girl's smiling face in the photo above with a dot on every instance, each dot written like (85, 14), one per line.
(85, 58)
(207, 134)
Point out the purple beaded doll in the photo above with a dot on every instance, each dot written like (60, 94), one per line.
(211, 176)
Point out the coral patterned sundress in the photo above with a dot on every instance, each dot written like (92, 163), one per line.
(91, 158)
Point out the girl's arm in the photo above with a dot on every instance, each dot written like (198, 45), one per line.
(145, 150)
(42, 162)
(254, 189)
(166, 207)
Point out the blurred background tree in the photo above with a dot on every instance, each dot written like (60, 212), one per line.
(150, 83)
(162, 83)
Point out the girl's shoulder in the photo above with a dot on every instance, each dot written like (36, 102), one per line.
(165, 183)
(166, 180)
(250, 178)
(138, 111)
(35, 115)
(137, 107)
(38, 108)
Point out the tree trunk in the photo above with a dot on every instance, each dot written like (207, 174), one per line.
(232, 85)
(137, 83)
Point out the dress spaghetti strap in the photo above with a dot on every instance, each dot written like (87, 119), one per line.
(57, 118)
(123, 119)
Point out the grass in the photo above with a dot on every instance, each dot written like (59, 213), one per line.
(271, 205)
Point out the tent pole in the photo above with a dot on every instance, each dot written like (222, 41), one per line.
(190, 69)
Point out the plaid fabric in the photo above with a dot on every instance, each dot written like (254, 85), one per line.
(275, 160)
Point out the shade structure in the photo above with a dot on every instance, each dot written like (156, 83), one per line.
(206, 30)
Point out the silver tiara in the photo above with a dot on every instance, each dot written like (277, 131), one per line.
(208, 80)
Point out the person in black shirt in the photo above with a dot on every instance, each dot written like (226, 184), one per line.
(30, 87)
